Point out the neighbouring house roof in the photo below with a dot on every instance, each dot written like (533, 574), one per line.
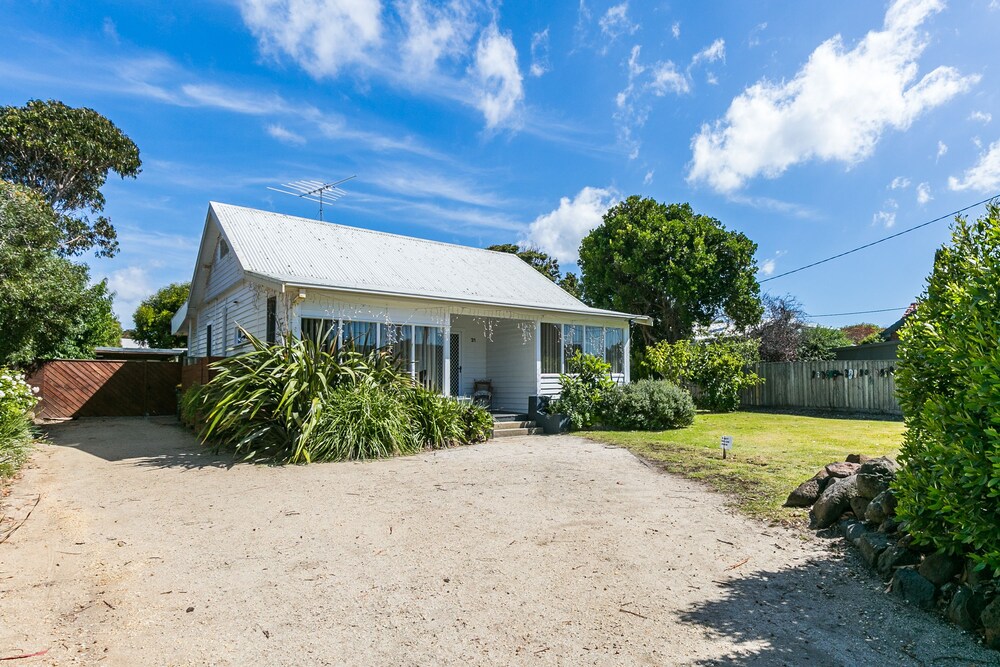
(306, 253)
(891, 332)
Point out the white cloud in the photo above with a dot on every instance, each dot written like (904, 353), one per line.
(712, 53)
(648, 178)
(754, 38)
(942, 149)
(616, 22)
(666, 79)
(887, 216)
(540, 53)
(981, 116)
(767, 266)
(131, 285)
(233, 99)
(287, 136)
(835, 108)
(984, 176)
(110, 30)
(500, 84)
(899, 183)
(560, 231)
(675, 30)
(322, 36)
(433, 33)
(924, 193)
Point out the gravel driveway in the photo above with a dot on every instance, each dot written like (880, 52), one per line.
(143, 550)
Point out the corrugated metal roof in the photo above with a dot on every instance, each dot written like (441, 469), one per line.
(299, 251)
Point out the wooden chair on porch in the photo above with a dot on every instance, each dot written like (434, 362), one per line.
(482, 393)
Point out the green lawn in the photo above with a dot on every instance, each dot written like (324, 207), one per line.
(771, 454)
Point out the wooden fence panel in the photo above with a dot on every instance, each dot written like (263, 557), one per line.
(106, 388)
(197, 371)
(843, 386)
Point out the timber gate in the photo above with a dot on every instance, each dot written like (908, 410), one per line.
(106, 388)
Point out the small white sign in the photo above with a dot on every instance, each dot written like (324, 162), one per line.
(727, 442)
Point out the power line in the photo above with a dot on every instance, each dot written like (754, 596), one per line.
(860, 312)
(882, 240)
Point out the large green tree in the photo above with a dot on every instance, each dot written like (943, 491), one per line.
(666, 261)
(66, 154)
(153, 316)
(820, 343)
(541, 261)
(48, 308)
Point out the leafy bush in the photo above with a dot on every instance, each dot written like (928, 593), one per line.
(299, 401)
(583, 390)
(17, 400)
(820, 343)
(364, 421)
(948, 384)
(871, 338)
(717, 369)
(439, 419)
(477, 423)
(648, 405)
(191, 405)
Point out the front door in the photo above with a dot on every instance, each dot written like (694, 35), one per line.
(456, 363)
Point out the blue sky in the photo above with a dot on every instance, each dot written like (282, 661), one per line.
(812, 127)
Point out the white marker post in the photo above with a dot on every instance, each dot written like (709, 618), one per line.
(727, 444)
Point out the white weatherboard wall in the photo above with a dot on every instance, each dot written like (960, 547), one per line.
(223, 273)
(510, 364)
(244, 306)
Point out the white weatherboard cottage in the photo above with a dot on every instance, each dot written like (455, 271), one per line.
(455, 314)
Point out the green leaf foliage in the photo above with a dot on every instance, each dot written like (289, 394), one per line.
(541, 261)
(675, 265)
(583, 389)
(648, 405)
(153, 316)
(948, 384)
(298, 402)
(65, 154)
(48, 309)
(820, 343)
(717, 370)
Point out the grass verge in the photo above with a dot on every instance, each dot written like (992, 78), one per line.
(771, 455)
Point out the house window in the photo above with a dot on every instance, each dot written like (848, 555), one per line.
(594, 342)
(572, 341)
(428, 357)
(320, 330)
(272, 320)
(551, 354)
(359, 335)
(397, 340)
(223, 248)
(208, 340)
(614, 349)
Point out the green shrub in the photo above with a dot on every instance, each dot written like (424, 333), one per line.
(438, 418)
(717, 369)
(648, 405)
(17, 400)
(820, 343)
(948, 384)
(477, 423)
(583, 389)
(364, 421)
(298, 402)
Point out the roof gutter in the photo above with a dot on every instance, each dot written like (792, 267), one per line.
(638, 319)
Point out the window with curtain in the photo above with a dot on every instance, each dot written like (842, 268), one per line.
(551, 354)
(572, 340)
(320, 330)
(594, 342)
(614, 349)
(362, 335)
(397, 340)
(272, 320)
(428, 355)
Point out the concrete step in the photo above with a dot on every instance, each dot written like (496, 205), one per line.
(511, 432)
(499, 426)
(509, 417)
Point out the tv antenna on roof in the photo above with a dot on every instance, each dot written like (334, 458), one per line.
(315, 191)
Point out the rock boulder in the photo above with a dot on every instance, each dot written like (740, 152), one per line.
(833, 502)
(875, 476)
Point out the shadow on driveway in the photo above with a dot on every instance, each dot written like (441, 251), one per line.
(154, 442)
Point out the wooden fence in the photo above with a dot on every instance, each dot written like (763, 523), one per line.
(196, 371)
(106, 388)
(844, 386)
